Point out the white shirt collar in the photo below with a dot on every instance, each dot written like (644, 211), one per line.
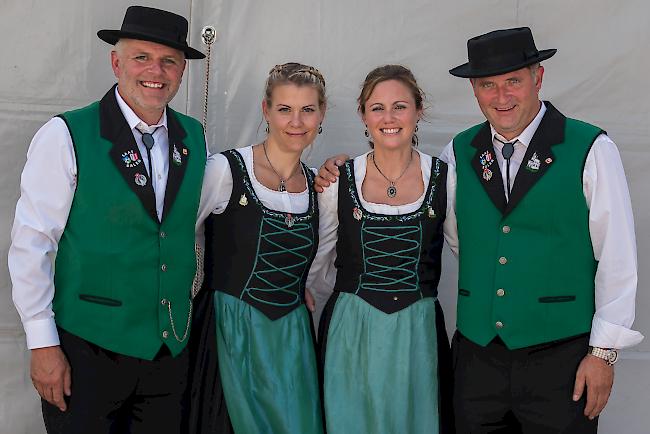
(131, 118)
(527, 134)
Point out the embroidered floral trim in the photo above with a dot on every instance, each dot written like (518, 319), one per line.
(284, 216)
(366, 215)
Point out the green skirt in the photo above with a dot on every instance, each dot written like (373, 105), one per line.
(381, 370)
(268, 369)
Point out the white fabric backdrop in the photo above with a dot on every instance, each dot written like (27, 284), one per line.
(52, 61)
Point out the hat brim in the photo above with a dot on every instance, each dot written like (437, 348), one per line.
(112, 36)
(466, 71)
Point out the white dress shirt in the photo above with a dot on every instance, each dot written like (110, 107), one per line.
(322, 275)
(47, 188)
(611, 227)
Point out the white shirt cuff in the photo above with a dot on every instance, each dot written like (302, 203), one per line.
(41, 333)
(607, 335)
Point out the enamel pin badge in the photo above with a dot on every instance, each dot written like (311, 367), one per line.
(131, 158)
(176, 156)
(486, 159)
(140, 179)
(533, 163)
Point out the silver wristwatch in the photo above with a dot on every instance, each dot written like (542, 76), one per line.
(609, 355)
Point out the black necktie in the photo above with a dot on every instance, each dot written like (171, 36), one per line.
(148, 141)
(507, 151)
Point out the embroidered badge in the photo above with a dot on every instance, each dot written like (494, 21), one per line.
(549, 160)
(243, 200)
(140, 179)
(486, 159)
(533, 163)
(431, 213)
(356, 213)
(288, 220)
(487, 174)
(176, 156)
(184, 151)
(131, 158)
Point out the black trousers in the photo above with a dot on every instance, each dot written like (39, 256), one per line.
(118, 394)
(527, 390)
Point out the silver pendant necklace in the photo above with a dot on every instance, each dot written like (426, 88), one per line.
(282, 187)
(391, 191)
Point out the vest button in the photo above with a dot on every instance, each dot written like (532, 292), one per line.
(499, 324)
(165, 334)
(395, 298)
(164, 302)
(501, 292)
(503, 260)
(506, 229)
(163, 267)
(163, 234)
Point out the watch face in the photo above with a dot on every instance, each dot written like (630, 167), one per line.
(612, 356)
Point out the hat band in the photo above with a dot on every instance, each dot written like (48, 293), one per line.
(167, 34)
(498, 61)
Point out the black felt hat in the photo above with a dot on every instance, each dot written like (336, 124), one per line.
(155, 25)
(499, 52)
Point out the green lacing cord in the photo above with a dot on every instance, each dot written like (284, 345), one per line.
(264, 268)
(377, 269)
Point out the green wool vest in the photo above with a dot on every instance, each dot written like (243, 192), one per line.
(526, 271)
(122, 278)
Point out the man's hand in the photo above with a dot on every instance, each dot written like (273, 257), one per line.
(598, 376)
(329, 172)
(50, 372)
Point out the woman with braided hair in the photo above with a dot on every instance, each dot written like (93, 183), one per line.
(261, 235)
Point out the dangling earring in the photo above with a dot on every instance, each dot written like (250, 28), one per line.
(365, 133)
(414, 140)
(320, 128)
(267, 128)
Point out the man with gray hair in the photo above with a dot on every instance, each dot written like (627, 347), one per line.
(102, 256)
(547, 253)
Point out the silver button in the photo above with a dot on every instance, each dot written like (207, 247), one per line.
(165, 334)
(506, 229)
(501, 292)
(164, 302)
(499, 325)
(163, 234)
(163, 267)
(395, 298)
(503, 260)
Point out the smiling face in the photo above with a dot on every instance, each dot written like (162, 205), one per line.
(390, 113)
(294, 116)
(510, 101)
(148, 76)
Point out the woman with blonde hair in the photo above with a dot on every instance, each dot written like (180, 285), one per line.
(261, 237)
